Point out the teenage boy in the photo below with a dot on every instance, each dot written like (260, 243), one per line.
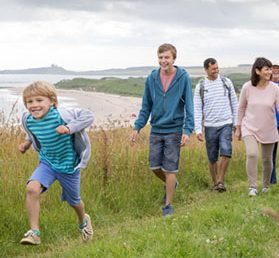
(168, 99)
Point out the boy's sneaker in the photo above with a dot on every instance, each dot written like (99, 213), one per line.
(265, 190)
(165, 194)
(30, 238)
(167, 210)
(86, 229)
(252, 191)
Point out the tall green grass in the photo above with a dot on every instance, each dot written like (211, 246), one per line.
(124, 201)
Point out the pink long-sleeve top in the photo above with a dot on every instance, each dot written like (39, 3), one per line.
(256, 113)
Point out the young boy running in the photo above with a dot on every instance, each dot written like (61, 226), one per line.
(64, 148)
(168, 99)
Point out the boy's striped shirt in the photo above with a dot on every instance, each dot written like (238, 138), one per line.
(56, 149)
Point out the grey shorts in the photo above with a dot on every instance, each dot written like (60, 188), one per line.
(164, 151)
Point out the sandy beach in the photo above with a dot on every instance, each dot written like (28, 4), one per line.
(109, 110)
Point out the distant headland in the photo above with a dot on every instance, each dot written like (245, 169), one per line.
(133, 71)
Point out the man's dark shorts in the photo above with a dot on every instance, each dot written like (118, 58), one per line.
(164, 151)
(218, 139)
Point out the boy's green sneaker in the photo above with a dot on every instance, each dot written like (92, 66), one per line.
(31, 238)
(86, 229)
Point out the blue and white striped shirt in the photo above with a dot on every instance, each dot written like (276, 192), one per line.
(218, 110)
(56, 149)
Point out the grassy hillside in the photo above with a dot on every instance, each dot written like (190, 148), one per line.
(127, 87)
(124, 201)
(131, 86)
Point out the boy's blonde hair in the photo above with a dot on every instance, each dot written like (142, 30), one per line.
(40, 88)
(166, 47)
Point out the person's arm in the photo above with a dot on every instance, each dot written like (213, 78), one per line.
(185, 139)
(241, 111)
(133, 137)
(277, 98)
(23, 147)
(77, 120)
(188, 126)
(144, 112)
(234, 103)
(146, 106)
(62, 129)
(29, 137)
(237, 132)
(198, 113)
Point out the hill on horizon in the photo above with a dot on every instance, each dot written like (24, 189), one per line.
(133, 71)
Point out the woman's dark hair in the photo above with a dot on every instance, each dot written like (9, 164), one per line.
(258, 64)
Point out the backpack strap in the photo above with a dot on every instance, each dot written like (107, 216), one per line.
(201, 82)
(227, 87)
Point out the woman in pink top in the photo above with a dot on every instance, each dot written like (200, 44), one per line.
(256, 122)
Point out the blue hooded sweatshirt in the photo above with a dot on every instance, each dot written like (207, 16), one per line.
(170, 111)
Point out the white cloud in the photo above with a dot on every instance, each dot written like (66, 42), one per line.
(89, 35)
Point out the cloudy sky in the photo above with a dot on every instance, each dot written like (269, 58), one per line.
(91, 35)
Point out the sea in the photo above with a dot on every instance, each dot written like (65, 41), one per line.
(11, 104)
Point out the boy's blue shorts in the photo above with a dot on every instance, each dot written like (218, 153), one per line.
(70, 183)
(164, 151)
(218, 140)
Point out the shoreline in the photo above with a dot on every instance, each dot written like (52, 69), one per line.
(110, 111)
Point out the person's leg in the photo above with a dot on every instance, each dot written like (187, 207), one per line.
(170, 165)
(273, 179)
(80, 211)
(267, 150)
(251, 159)
(84, 219)
(223, 166)
(41, 180)
(71, 193)
(160, 174)
(170, 187)
(70, 184)
(225, 143)
(33, 192)
(213, 169)
(156, 144)
(212, 147)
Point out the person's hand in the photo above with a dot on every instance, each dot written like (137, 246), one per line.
(23, 147)
(62, 129)
(200, 137)
(237, 133)
(133, 137)
(185, 139)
